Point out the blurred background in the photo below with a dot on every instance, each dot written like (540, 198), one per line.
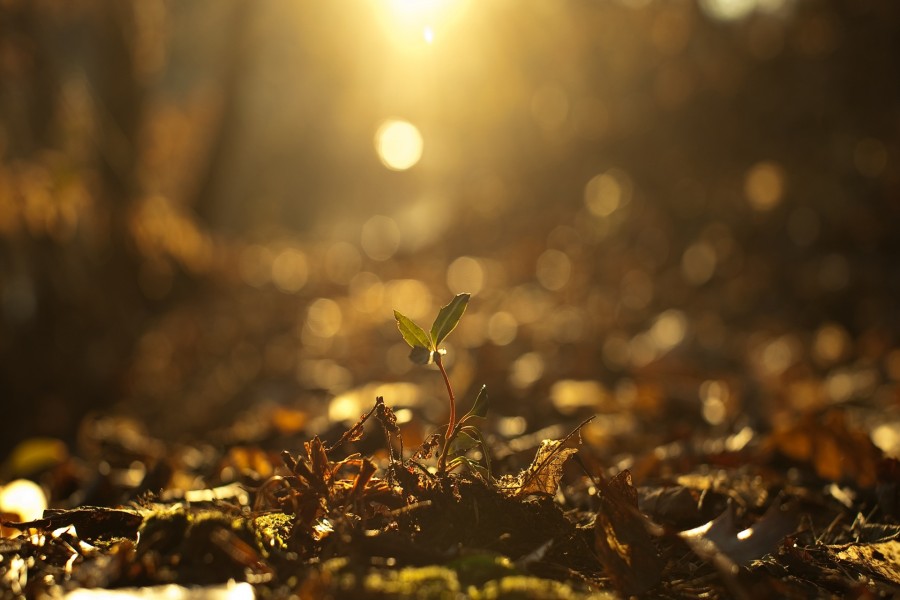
(675, 214)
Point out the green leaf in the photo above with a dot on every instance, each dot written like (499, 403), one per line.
(474, 432)
(412, 333)
(479, 408)
(448, 317)
(463, 442)
(473, 466)
(467, 438)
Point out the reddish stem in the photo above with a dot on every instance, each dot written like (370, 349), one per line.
(448, 435)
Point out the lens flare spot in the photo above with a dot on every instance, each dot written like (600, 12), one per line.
(324, 318)
(553, 269)
(764, 185)
(380, 237)
(290, 270)
(714, 395)
(502, 328)
(24, 499)
(399, 144)
(669, 329)
(410, 296)
(830, 344)
(728, 10)
(465, 274)
(607, 192)
(570, 396)
(526, 370)
(777, 355)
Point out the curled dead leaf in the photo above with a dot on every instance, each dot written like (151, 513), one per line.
(622, 538)
(545, 471)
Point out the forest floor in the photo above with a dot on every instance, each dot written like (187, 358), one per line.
(806, 512)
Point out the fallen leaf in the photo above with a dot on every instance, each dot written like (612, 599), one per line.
(835, 450)
(882, 559)
(622, 538)
(676, 506)
(545, 471)
(721, 537)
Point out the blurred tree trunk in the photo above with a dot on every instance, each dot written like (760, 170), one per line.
(227, 135)
(81, 306)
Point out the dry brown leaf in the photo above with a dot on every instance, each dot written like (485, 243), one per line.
(622, 539)
(545, 471)
(882, 559)
(288, 421)
(834, 449)
(318, 458)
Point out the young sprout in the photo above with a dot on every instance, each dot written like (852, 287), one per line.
(426, 348)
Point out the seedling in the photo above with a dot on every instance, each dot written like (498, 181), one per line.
(426, 349)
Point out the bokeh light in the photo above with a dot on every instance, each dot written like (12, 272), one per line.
(324, 318)
(409, 296)
(608, 191)
(553, 269)
(465, 274)
(399, 144)
(22, 499)
(380, 237)
(764, 185)
(526, 370)
(290, 270)
(502, 328)
(698, 263)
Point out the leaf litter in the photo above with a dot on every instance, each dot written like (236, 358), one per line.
(329, 521)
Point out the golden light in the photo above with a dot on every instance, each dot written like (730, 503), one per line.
(607, 192)
(465, 274)
(24, 499)
(553, 269)
(764, 185)
(733, 10)
(417, 21)
(502, 328)
(399, 144)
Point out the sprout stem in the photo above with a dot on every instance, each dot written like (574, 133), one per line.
(449, 434)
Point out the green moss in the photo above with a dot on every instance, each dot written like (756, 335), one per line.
(477, 569)
(419, 583)
(521, 587)
(273, 531)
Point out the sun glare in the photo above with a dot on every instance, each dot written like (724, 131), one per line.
(416, 21)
